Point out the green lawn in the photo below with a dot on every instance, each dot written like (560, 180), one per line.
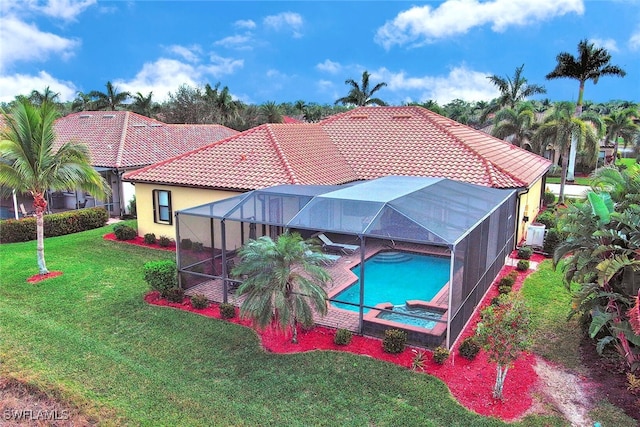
(580, 180)
(88, 338)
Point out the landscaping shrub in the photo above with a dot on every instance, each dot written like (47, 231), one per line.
(548, 218)
(175, 295)
(342, 337)
(504, 289)
(186, 244)
(124, 232)
(227, 311)
(440, 355)
(548, 198)
(418, 360)
(161, 275)
(197, 246)
(133, 210)
(552, 239)
(507, 280)
(469, 348)
(199, 301)
(164, 241)
(24, 230)
(523, 265)
(525, 252)
(394, 341)
(150, 239)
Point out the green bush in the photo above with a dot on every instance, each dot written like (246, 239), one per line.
(150, 239)
(469, 348)
(440, 355)
(199, 301)
(394, 341)
(523, 265)
(161, 275)
(164, 241)
(504, 289)
(124, 232)
(175, 295)
(342, 337)
(507, 280)
(548, 218)
(186, 244)
(525, 252)
(552, 239)
(548, 198)
(133, 210)
(227, 311)
(418, 360)
(24, 230)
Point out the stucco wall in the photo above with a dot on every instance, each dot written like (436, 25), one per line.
(529, 207)
(181, 198)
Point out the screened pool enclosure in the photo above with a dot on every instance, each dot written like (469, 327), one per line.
(412, 253)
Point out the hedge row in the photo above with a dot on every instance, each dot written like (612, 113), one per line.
(23, 230)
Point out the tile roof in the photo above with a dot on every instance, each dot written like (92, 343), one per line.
(122, 139)
(269, 154)
(361, 144)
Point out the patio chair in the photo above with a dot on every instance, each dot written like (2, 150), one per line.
(329, 259)
(330, 245)
(24, 212)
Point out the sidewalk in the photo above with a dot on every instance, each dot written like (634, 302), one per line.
(570, 190)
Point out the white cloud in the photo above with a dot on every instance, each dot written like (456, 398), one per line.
(285, 20)
(22, 84)
(329, 66)
(609, 44)
(460, 83)
(24, 42)
(634, 40)
(66, 9)
(166, 75)
(238, 41)
(188, 53)
(425, 24)
(245, 23)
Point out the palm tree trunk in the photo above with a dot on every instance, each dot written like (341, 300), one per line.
(294, 338)
(563, 176)
(40, 205)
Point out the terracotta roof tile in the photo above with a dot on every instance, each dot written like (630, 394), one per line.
(124, 139)
(364, 143)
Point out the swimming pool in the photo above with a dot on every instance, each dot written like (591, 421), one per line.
(396, 277)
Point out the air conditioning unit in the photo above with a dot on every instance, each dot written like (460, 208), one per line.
(535, 235)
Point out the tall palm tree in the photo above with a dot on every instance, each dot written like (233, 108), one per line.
(591, 63)
(361, 95)
(47, 96)
(620, 124)
(513, 90)
(144, 105)
(519, 124)
(30, 164)
(270, 112)
(559, 128)
(285, 282)
(82, 102)
(111, 99)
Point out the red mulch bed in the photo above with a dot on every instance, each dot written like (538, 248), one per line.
(40, 277)
(139, 241)
(470, 382)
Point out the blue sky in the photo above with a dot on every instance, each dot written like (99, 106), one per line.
(286, 51)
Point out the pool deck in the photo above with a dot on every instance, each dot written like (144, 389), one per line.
(341, 277)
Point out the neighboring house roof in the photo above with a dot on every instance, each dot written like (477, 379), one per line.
(360, 144)
(290, 120)
(122, 139)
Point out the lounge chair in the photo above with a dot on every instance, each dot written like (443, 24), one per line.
(328, 259)
(330, 245)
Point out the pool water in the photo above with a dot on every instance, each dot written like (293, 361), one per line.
(396, 277)
(428, 319)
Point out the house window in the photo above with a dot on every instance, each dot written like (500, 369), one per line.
(162, 207)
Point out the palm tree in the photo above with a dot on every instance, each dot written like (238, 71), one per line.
(285, 282)
(111, 100)
(620, 124)
(591, 64)
(270, 112)
(622, 185)
(519, 124)
(513, 90)
(144, 105)
(360, 95)
(30, 164)
(559, 128)
(48, 96)
(82, 102)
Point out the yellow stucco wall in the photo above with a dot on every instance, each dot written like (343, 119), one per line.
(181, 198)
(529, 206)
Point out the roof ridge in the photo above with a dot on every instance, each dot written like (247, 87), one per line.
(123, 138)
(281, 155)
